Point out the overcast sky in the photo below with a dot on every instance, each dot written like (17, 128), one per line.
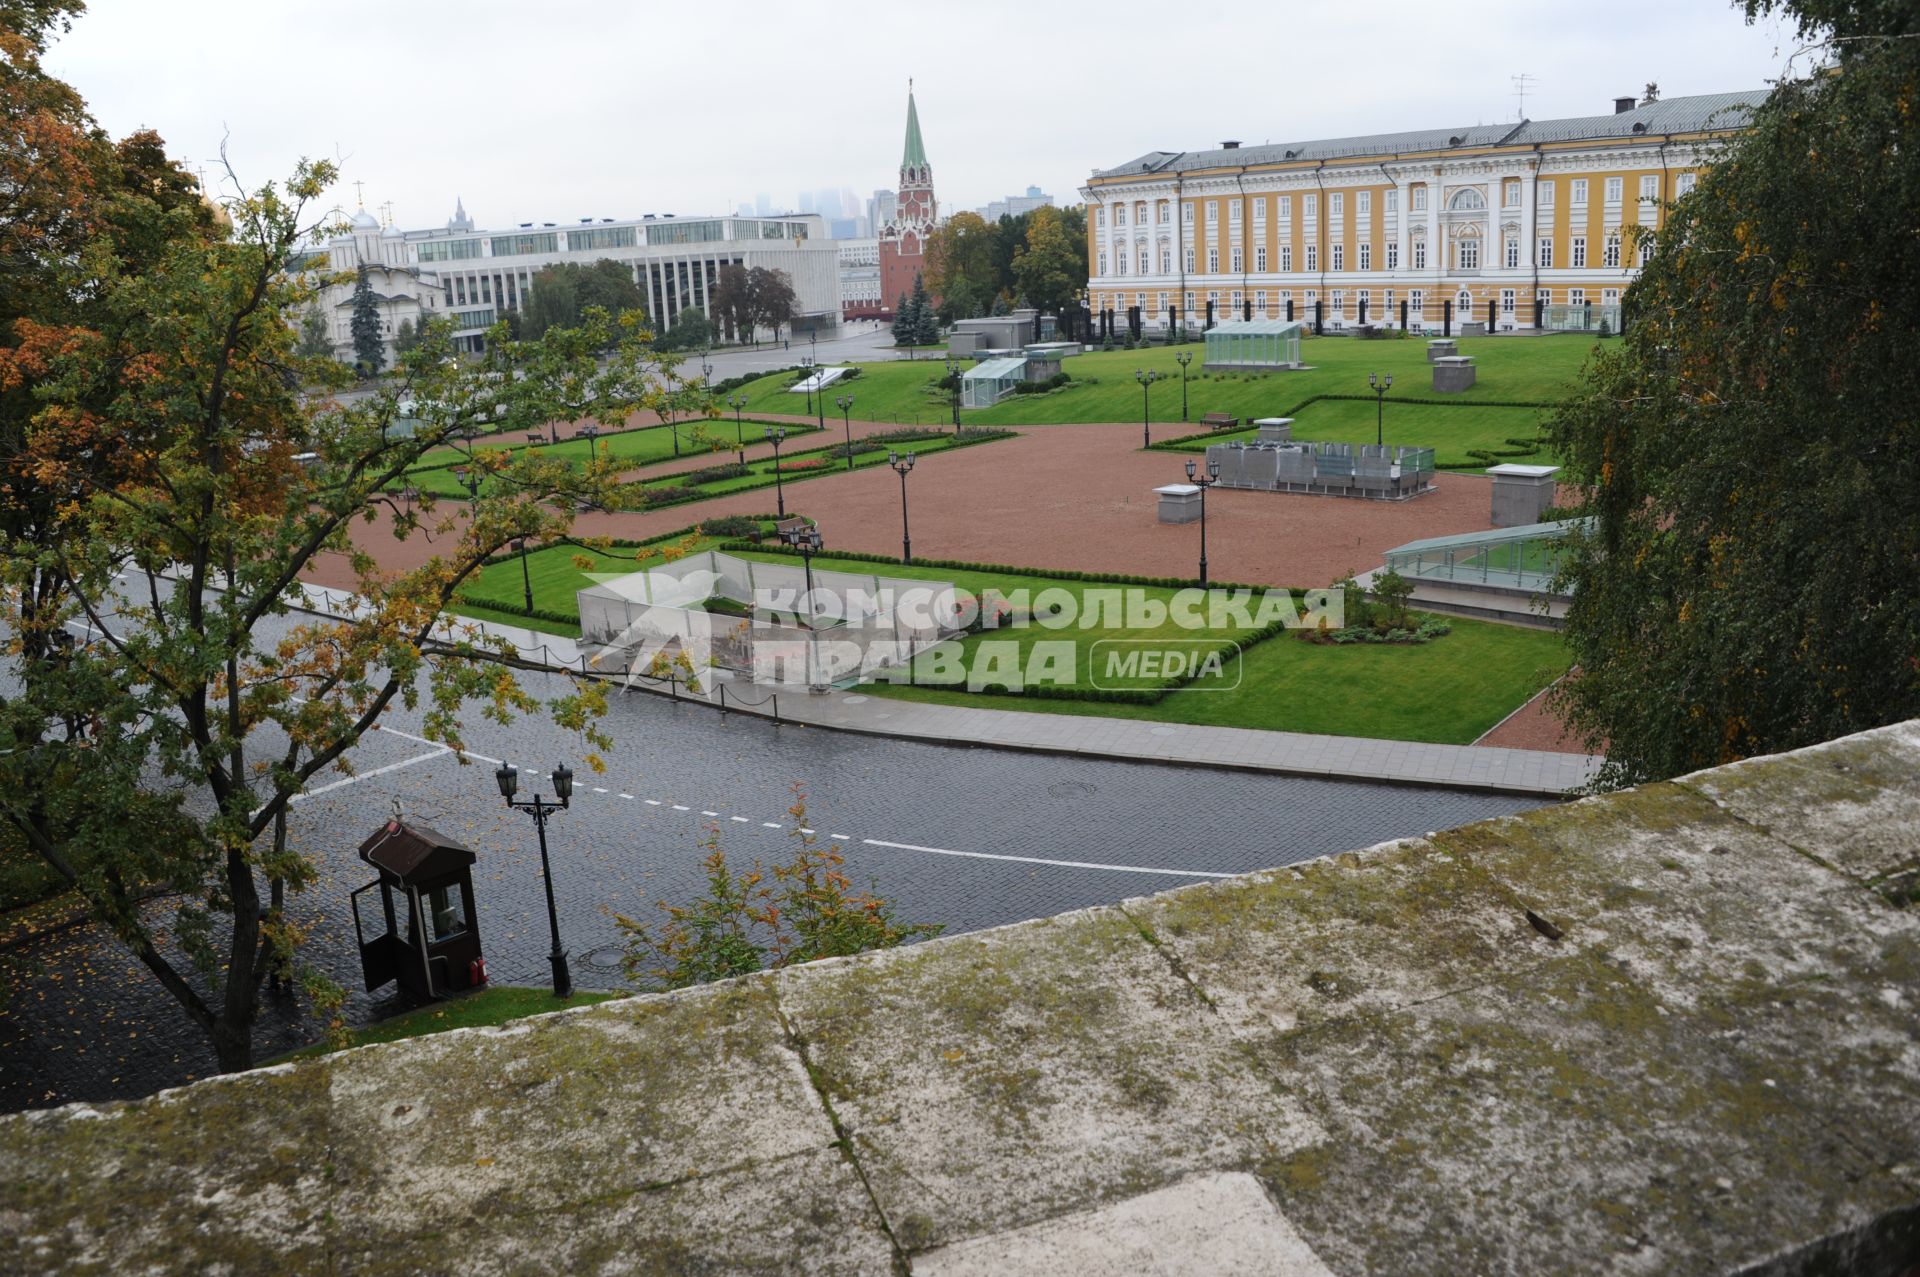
(553, 112)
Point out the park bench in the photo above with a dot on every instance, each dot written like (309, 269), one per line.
(1219, 421)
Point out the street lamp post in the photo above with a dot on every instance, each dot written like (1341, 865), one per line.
(807, 541)
(774, 435)
(540, 808)
(1204, 481)
(901, 465)
(1184, 358)
(806, 366)
(526, 581)
(845, 404)
(953, 375)
(1146, 379)
(1380, 388)
(737, 402)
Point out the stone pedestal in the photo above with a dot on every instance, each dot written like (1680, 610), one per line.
(1274, 429)
(1452, 374)
(1472, 328)
(1521, 493)
(1179, 502)
(1441, 348)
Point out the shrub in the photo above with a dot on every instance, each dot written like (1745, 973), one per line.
(806, 463)
(714, 474)
(733, 525)
(765, 916)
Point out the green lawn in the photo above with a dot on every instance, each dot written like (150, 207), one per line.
(495, 1004)
(1515, 369)
(498, 593)
(635, 448)
(1449, 429)
(1448, 691)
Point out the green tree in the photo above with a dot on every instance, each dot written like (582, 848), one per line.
(369, 351)
(905, 322)
(314, 341)
(560, 295)
(689, 331)
(926, 323)
(1051, 267)
(1747, 450)
(406, 337)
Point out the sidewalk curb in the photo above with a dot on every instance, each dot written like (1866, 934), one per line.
(671, 693)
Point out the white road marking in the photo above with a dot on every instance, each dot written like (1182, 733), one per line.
(1036, 860)
(478, 758)
(628, 797)
(678, 807)
(709, 813)
(769, 824)
(652, 802)
(742, 819)
(355, 779)
(598, 790)
(842, 837)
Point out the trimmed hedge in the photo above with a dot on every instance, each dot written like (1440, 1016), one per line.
(1058, 574)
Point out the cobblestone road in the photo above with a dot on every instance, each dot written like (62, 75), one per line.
(83, 1021)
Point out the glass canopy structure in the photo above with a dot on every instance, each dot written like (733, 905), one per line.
(1255, 345)
(1522, 558)
(990, 381)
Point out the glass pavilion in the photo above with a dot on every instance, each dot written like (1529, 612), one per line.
(1255, 345)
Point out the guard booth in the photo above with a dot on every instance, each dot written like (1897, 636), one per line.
(426, 936)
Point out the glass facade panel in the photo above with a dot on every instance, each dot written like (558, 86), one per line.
(449, 250)
(518, 245)
(592, 239)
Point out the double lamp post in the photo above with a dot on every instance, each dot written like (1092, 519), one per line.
(540, 808)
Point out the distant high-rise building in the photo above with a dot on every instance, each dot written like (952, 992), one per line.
(1014, 205)
(903, 237)
(762, 204)
(880, 211)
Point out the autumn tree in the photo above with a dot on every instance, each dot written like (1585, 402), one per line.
(163, 747)
(1051, 266)
(1750, 581)
(772, 297)
(960, 266)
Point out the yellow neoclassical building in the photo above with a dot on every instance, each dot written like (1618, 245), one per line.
(1517, 224)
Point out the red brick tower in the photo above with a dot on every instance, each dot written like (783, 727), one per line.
(903, 239)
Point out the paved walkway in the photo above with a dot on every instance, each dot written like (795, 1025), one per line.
(1480, 767)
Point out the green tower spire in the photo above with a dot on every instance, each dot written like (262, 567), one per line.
(916, 152)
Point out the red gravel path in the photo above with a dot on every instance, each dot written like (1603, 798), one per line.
(1534, 726)
(1064, 496)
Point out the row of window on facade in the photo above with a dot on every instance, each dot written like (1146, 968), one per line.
(1337, 301)
(591, 239)
(1467, 197)
(1466, 254)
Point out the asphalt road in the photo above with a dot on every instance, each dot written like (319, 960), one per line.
(965, 837)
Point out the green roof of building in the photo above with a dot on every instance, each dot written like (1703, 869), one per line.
(916, 152)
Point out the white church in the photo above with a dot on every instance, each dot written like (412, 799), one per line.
(404, 291)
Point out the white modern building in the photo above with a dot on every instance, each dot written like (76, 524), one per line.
(475, 275)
